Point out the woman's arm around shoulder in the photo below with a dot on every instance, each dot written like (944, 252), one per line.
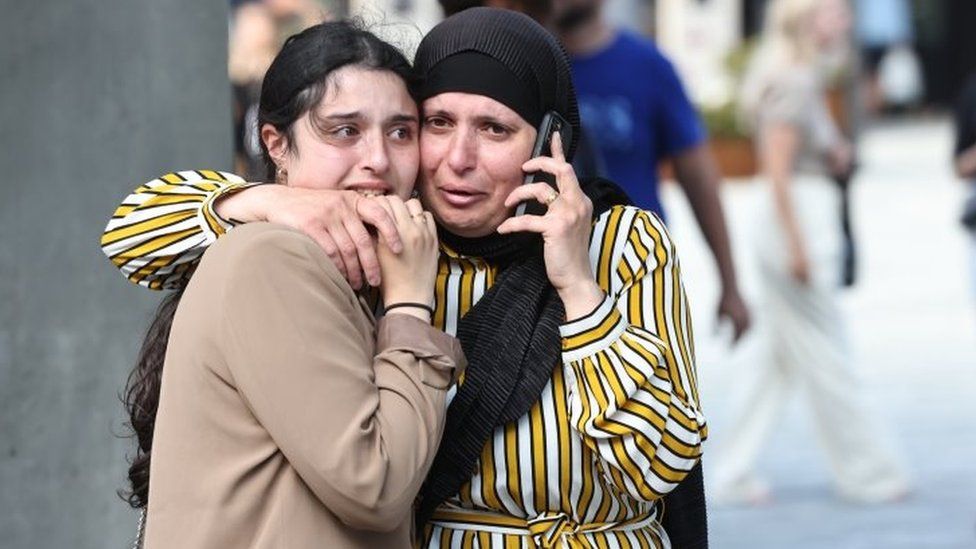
(158, 233)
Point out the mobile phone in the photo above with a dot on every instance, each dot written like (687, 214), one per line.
(552, 122)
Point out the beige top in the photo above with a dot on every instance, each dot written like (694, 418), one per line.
(797, 97)
(288, 417)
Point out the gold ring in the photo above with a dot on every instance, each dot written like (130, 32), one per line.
(553, 195)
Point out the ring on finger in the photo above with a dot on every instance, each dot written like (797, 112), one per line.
(553, 195)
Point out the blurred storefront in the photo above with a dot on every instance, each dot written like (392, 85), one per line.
(926, 47)
(699, 34)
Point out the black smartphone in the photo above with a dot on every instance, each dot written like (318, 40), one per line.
(552, 122)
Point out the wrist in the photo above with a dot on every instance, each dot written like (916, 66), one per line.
(730, 291)
(415, 309)
(419, 314)
(423, 297)
(966, 163)
(248, 204)
(581, 298)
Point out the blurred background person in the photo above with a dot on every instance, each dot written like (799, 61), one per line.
(964, 159)
(886, 34)
(258, 30)
(253, 44)
(799, 251)
(636, 112)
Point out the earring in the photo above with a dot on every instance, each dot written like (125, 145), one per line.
(281, 175)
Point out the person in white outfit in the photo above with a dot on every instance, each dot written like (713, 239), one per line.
(799, 248)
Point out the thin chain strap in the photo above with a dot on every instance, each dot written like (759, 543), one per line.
(140, 530)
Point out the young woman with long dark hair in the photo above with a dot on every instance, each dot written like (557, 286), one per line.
(271, 409)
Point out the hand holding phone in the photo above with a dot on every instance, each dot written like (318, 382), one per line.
(552, 122)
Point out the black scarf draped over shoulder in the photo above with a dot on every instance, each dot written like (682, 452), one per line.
(512, 343)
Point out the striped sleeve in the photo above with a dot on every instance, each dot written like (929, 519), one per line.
(158, 233)
(632, 389)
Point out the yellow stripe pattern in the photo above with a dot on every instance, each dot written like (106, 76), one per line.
(158, 233)
(618, 425)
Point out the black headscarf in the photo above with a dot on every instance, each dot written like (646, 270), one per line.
(500, 54)
(511, 336)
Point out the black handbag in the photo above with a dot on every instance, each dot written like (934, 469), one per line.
(685, 517)
(848, 274)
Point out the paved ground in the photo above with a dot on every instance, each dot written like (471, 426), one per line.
(913, 318)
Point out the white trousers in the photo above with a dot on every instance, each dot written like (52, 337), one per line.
(807, 348)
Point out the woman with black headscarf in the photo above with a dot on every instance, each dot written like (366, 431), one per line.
(579, 409)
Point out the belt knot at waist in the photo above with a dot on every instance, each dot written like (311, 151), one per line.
(549, 529)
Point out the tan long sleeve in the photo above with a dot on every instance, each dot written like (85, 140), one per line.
(288, 417)
(361, 430)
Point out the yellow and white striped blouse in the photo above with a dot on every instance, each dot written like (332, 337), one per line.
(617, 426)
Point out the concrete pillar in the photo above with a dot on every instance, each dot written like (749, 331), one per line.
(96, 96)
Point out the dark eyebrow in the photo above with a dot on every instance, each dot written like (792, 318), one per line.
(480, 119)
(343, 116)
(347, 116)
(490, 119)
(439, 112)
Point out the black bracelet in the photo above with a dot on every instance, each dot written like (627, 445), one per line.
(423, 306)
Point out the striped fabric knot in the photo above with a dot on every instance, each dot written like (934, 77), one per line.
(550, 528)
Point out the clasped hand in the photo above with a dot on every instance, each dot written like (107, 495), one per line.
(335, 219)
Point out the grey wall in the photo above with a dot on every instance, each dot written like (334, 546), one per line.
(96, 96)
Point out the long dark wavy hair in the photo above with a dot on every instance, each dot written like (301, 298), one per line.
(295, 84)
